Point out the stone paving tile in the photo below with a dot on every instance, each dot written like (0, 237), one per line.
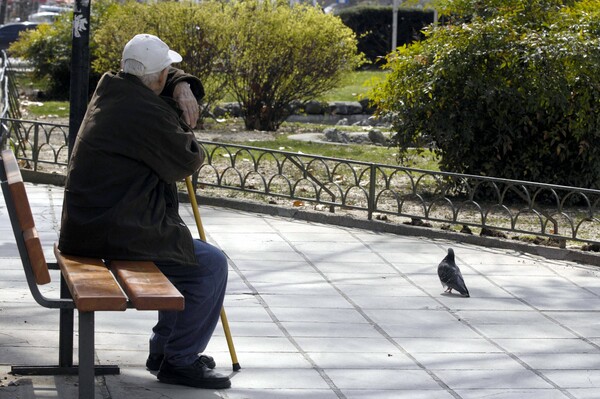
(321, 311)
(575, 378)
(432, 331)
(331, 315)
(383, 379)
(298, 300)
(318, 289)
(363, 360)
(447, 345)
(278, 265)
(330, 329)
(405, 302)
(279, 379)
(345, 345)
(511, 394)
(515, 378)
(585, 393)
(562, 361)
(544, 329)
(397, 394)
(546, 345)
(465, 360)
(266, 393)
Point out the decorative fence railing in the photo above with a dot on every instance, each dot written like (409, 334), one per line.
(9, 102)
(558, 212)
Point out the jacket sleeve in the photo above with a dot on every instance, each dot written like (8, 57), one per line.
(172, 155)
(176, 76)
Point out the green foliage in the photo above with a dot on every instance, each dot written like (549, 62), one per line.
(266, 54)
(514, 93)
(373, 26)
(277, 54)
(194, 31)
(48, 48)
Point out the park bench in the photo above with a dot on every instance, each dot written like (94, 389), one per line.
(87, 285)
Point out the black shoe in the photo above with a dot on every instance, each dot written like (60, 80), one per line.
(154, 361)
(195, 375)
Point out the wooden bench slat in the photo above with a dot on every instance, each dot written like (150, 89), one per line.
(146, 286)
(37, 259)
(91, 283)
(25, 218)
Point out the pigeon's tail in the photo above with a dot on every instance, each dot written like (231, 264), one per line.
(462, 287)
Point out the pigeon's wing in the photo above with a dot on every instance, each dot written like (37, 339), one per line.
(458, 283)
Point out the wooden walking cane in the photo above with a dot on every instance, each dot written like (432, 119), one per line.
(224, 322)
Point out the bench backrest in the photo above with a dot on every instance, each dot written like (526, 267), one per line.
(22, 221)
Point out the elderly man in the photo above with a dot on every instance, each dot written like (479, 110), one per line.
(121, 200)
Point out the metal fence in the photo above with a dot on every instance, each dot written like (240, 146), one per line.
(535, 209)
(9, 100)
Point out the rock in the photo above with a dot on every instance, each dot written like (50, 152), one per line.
(359, 138)
(491, 233)
(466, 230)
(417, 222)
(313, 107)
(591, 247)
(342, 122)
(335, 136)
(231, 109)
(366, 106)
(345, 107)
(377, 137)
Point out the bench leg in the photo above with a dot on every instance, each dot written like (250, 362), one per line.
(86, 355)
(65, 329)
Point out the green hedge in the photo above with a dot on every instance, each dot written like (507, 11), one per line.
(514, 93)
(373, 27)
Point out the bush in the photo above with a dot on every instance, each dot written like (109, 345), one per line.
(193, 31)
(48, 48)
(513, 94)
(373, 27)
(277, 54)
(267, 54)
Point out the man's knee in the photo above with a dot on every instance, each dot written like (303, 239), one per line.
(211, 257)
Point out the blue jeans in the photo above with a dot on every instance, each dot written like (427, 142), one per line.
(182, 335)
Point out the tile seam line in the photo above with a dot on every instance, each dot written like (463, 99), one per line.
(452, 312)
(286, 333)
(544, 314)
(378, 328)
(322, 373)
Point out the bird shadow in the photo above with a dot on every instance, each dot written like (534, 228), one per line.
(452, 294)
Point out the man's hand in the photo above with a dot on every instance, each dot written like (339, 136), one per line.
(184, 97)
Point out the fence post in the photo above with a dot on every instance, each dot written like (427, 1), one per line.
(35, 151)
(371, 199)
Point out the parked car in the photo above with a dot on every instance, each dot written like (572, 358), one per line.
(10, 32)
(43, 16)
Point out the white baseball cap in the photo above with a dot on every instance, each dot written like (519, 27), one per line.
(151, 52)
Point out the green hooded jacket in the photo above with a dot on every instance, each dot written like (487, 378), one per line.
(120, 196)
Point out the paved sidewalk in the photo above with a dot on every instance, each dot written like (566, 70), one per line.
(325, 312)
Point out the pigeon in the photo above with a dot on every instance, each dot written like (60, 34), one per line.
(450, 275)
